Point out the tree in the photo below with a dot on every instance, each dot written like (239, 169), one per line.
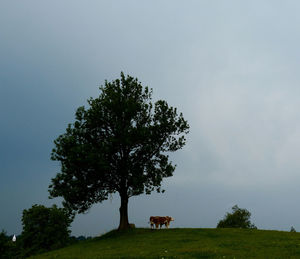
(118, 144)
(239, 218)
(45, 228)
(4, 245)
(8, 248)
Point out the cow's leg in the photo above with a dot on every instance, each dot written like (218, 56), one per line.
(153, 225)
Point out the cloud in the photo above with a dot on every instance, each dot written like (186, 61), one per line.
(230, 67)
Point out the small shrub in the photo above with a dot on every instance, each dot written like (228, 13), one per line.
(292, 229)
(45, 228)
(239, 218)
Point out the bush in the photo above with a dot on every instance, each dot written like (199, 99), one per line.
(8, 248)
(45, 228)
(239, 218)
(4, 245)
(292, 229)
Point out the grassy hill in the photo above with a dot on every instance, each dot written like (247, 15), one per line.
(184, 243)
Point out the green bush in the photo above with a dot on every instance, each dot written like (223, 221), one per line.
(45, 229)
(239, 218)
(8, 248)
(4, 245)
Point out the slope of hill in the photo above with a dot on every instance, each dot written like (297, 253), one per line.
(184, 243)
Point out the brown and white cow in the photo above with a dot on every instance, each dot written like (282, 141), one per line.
(154, 221)
(169, 219)
(160, 221)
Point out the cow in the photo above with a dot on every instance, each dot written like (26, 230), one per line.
(160, 221)
(154, 220)
(168, 220)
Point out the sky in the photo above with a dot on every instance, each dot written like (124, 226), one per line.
(231, 68)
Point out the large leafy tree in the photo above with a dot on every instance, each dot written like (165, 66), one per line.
(118, 144)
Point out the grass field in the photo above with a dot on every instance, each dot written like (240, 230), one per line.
(184, 243)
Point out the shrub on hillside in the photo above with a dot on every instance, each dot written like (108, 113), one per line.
(45, 228)
(292, 229)
(239, 218)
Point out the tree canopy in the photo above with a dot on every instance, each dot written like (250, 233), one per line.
(119, 144)
(4, 245)
(45, 228)
(239, 218)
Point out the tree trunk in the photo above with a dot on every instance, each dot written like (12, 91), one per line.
(124, 224)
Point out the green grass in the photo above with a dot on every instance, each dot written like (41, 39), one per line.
(184, 243)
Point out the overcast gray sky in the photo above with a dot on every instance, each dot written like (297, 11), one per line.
(230, 66)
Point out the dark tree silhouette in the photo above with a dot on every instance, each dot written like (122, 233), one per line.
(118, 144)
(45, 228)
(239, 218)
